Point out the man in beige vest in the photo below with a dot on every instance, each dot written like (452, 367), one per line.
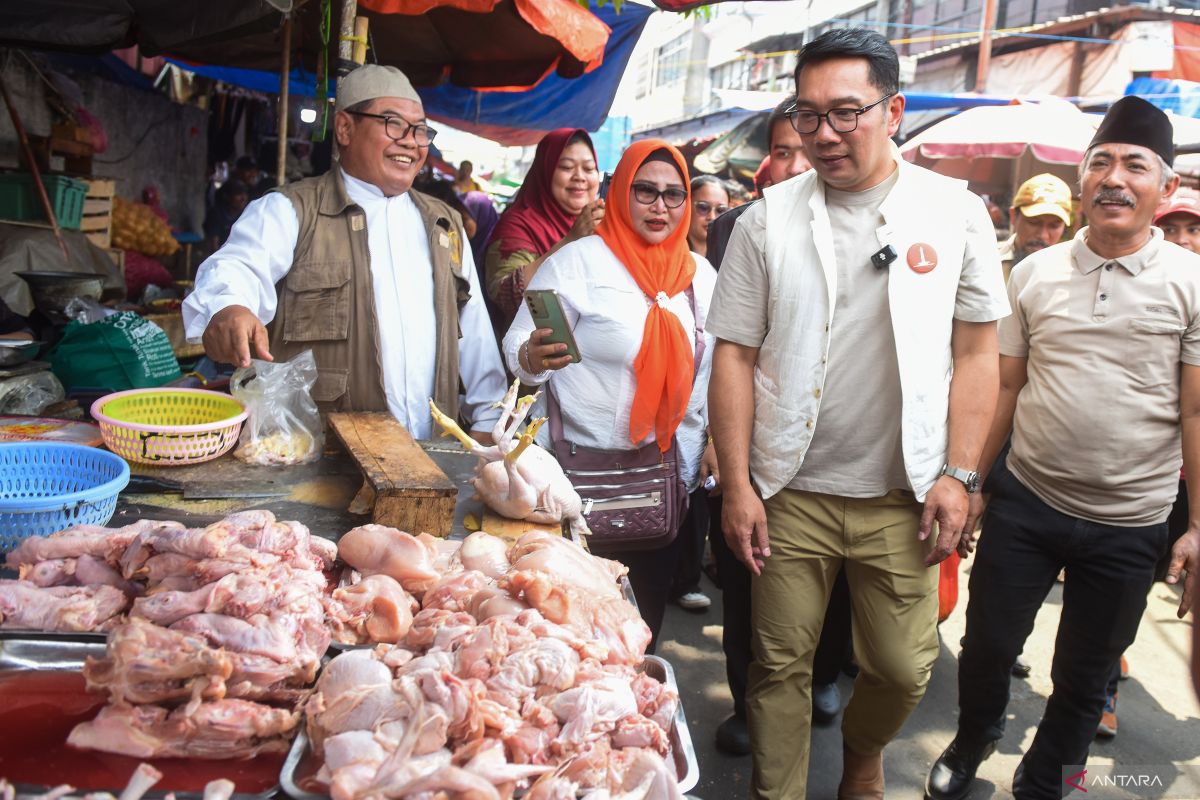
(371, 276)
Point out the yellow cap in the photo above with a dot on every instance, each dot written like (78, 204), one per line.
(1044, 194)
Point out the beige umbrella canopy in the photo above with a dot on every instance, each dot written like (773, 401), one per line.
(994, 148)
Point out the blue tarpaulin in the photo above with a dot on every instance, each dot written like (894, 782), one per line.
(1178, 96)
(927, 101)
(507, 117)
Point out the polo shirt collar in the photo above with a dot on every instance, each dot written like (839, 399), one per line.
(1087, 261)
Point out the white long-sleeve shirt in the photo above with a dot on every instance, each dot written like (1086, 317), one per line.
(258, 255)
(607, 310)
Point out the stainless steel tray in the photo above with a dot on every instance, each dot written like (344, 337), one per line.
(49, 651)
(687, 769)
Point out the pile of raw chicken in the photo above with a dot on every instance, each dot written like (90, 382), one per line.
(222, 640)
(497, 667)
(520, 669)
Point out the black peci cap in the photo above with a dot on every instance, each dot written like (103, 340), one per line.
(1132, 120)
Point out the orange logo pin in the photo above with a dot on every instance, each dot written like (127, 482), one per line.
(922, 258)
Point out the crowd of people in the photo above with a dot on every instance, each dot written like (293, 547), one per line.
(852, 376)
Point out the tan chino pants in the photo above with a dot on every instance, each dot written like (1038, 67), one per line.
(894, 601)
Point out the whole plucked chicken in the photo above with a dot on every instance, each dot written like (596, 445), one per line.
(517, 478)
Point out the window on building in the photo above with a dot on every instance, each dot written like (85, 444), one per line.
(671, 61)
(863, 17)
(645, 75)
(731, 75)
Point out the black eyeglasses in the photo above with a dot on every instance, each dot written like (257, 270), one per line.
(647, 194)
(397, 128)
(704, 208)
(841, 120)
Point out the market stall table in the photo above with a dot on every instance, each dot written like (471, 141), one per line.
(317, 495)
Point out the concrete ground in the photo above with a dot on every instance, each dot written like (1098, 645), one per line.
(1158, 712)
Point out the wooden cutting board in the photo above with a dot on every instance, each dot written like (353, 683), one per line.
(411, 492)
(514, 529)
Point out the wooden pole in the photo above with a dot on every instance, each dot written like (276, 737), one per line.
(284, 72)
(27, 151)
(346, 37)
(985, 45)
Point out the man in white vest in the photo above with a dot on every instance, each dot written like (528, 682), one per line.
(857, 362)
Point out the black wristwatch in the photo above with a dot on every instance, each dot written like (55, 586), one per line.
(968, 477)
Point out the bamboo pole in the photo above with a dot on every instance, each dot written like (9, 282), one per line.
(27, 151)
(360, 40)
(985, 45)
(284, 72)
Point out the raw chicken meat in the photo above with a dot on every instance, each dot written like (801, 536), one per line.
(105, 543)
(517, 478)
(555, 555)
(485, 553)
(376, 609)
(455, 591)
(380, 550)
(145, 663)
(220, 729)
(59, 608)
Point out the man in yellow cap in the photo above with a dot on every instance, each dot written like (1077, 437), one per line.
(1040, 214)
(376, 279)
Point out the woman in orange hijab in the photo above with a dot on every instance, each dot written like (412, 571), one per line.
(624, 291)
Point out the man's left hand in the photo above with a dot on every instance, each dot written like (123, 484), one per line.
(1185, 563)
(947, 505)
(485, 438)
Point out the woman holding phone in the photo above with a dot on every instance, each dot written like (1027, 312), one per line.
(628, 295)
(555, 205)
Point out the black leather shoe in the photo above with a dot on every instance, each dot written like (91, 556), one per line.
(954, 771)
(733, 737)
(826, 703)
(1021, 668)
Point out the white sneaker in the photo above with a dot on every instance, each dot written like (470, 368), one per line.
(694, 601)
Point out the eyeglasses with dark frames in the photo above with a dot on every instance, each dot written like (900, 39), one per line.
(647, 194)
(841, 120)
(704, 208)
(398, 128)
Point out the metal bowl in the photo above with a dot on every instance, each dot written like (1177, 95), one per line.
(17, 351)
(53, 290)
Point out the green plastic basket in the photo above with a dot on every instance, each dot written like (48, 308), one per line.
(19, 198)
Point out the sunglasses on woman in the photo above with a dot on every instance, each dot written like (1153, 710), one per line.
(647, 194)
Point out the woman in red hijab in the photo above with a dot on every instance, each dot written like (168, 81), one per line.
(556, 204)
(625, 294)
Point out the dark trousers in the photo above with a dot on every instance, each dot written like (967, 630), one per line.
(693, 533)
(833, 649)
(650, 574)
(1109, 570)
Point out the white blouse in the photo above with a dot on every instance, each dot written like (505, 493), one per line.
(607, 313)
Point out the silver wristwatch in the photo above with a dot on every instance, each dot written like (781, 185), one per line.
(968, 477)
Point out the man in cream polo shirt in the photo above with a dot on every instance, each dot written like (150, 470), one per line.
(1100, 388)
(854, 379)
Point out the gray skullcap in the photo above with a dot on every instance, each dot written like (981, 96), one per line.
(371, 81)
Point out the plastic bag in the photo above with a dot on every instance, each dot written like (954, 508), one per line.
(122, 351)
(284, 425)
(87, 310)
(30, 394)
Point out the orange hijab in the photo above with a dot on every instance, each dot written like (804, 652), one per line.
(664, 364)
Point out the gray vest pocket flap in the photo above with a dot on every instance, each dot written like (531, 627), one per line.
(331, 385)
(316, 300)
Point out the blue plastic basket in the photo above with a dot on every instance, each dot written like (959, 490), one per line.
(46, 487)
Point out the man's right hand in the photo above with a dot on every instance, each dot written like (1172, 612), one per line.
(744, 522)
(230, 333)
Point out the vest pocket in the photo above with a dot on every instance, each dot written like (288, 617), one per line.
(316, 302)
(331, 385)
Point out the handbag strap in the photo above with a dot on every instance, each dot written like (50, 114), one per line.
(552, 409)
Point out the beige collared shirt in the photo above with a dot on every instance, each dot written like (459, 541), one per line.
(1096, 433)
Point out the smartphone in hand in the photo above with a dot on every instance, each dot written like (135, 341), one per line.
(547, 312)
(604, 183)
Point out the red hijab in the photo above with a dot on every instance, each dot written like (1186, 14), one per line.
(535, 221)
(664, 365)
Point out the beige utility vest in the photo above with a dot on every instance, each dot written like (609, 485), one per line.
(327, 299)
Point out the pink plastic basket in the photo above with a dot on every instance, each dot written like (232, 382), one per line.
(169, 426)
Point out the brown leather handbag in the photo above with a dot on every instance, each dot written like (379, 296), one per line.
(632, 499)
